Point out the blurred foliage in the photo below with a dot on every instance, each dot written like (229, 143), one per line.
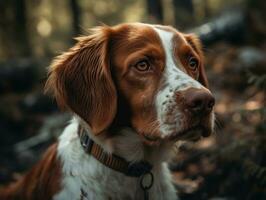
(46, 27)
(258, 80)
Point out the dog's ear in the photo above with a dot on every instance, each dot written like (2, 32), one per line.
(195, 43)
(81, 81)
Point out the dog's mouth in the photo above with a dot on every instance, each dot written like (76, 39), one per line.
(194, 133)
(191, 134)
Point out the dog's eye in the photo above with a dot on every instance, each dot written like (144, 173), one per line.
(143, 65)
(193, 63)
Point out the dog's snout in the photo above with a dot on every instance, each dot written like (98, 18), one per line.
(198, 101)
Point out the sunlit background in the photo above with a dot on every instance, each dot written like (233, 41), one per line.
(229, 165)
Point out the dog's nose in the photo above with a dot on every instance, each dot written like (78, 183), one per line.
(198, 101)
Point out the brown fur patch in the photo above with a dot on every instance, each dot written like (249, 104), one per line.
(195, 43)
(129, 45)
(186, 46)
(80, 80)
(41, 182)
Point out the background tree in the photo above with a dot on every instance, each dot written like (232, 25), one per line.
(14, 24)
(76, 19)
(155, 11)
(184, 13)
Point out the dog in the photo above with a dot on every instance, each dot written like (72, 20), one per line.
(136, 91)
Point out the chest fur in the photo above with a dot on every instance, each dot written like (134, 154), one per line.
(83, 177)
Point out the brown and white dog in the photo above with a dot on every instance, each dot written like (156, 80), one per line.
(137, 89)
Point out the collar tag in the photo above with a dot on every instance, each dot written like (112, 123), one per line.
(138, 169)
(86, 142)
(146, 182)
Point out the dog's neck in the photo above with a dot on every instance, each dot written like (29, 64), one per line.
(80, 169)
(129, 145)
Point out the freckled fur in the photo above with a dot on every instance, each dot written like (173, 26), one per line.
(170, 115)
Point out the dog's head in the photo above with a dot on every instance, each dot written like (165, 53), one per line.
(147, 77)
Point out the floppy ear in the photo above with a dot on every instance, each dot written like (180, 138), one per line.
(195, 43)
(81, 81)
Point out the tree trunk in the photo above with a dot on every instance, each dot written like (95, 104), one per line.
(184, 13)
(76, 22)
(230, 27)
(155, 11)
(20, 22)
(14, 37)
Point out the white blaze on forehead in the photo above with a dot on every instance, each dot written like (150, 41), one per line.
(173, 74)
(174, 80)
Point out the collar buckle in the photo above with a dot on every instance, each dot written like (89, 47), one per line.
(86, 142)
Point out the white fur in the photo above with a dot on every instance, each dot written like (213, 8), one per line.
(169, 115)
(82, 171)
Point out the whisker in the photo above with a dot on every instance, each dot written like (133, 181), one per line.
(218, 123)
